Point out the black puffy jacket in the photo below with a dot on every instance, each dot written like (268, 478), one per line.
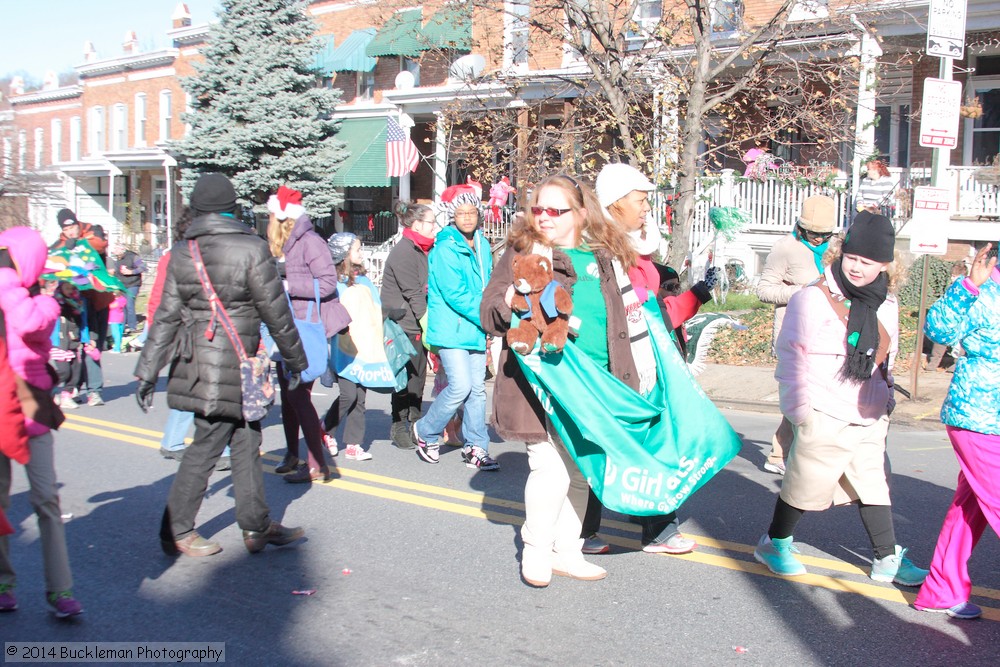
(205, 374)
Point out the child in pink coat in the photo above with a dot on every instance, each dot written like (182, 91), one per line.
(30, 317)
(116, 321)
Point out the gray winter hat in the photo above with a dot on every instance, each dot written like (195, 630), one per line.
(340, 246)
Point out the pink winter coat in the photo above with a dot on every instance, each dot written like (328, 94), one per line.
(116, 311)
(811, 350)
(30, 319)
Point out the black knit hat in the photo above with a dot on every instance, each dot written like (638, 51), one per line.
(213, 193)
(66, 217)
(870, 235)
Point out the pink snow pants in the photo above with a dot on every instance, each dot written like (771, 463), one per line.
(976, 503)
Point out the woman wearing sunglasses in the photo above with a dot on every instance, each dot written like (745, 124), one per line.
(794, 262)
(591, 259)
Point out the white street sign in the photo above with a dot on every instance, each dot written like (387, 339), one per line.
(939, 113)
(946, 29)
(928, 227)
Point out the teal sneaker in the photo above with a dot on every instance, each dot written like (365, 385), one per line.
(777, 556)
(897, 568)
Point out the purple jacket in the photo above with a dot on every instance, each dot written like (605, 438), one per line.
(307, 257)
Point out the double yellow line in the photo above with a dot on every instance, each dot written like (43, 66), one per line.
(848, 578)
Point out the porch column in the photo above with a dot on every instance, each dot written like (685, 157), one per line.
(440, 156)
(168, 164)
(113, 173)
(405, 122)
(868, 52)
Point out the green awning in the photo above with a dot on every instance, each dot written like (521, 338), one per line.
(400, 36)
(449, 28)
(321, 61)
(350, 57)
(365, 166)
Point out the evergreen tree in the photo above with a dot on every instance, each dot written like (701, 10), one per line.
(257, 115)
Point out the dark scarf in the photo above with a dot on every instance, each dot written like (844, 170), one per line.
(862, 322)
(421, 241)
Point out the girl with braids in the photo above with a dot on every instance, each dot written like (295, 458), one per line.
(835, 352)
(591, 259)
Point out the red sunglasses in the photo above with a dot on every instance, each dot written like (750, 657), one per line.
(551, 212)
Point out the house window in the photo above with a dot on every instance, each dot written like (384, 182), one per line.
(892, 134)
(39, 147)
(986, 128)
(22, 150)
(576, 17)
(516, 15)
(807, 10)
(95, 131)
(647, 15)
(75, 139)
(119, 127)
(56, 140)
(166, 114)
(140, 119)
(412, 66)
(726, 15)
(366, 85)
(188, 109)
(6, 156)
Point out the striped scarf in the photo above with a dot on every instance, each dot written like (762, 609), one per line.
(638, 332)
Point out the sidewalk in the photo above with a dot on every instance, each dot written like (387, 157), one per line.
(754, 388)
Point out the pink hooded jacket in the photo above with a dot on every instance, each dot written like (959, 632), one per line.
(30, 319)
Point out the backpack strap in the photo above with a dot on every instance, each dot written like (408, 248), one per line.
(215, 305)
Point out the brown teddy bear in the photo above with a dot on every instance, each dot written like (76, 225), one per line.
(543, 305)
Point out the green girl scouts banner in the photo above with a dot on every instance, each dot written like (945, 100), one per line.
(642, 455)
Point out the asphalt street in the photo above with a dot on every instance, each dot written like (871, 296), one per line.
(417, 564)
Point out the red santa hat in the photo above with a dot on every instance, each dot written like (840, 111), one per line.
(456, 195)
(286, 203)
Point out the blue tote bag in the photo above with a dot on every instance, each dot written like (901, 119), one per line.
(313, 335)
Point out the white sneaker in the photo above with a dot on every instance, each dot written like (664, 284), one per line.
(331, 444)
(776, 468)
(66, 402)
(356, 453)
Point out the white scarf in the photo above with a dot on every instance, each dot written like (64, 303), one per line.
(646, 240)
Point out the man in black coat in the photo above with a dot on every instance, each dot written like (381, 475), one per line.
(205, 371)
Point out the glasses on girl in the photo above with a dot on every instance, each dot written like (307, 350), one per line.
(551, 212)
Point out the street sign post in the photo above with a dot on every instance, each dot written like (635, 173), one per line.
(939, 113)
(928, 227)
(946, 29)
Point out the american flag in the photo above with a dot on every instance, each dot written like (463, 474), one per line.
(401, 154)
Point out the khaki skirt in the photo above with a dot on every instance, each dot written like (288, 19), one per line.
(833, 462)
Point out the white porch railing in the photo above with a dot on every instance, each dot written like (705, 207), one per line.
(774, 205)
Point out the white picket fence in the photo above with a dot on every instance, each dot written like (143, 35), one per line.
(774, 205)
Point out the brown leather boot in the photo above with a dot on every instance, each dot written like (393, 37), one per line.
(275, 534)
(193, 545)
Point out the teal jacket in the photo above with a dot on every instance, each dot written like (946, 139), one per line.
(961, 318)
(457, 277)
